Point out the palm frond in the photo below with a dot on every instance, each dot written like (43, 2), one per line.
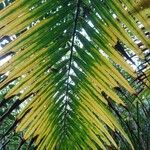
(63, 60)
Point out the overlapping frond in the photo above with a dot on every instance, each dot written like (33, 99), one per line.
(63, 61)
